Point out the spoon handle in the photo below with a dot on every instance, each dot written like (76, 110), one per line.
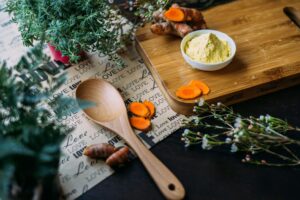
(166, 181)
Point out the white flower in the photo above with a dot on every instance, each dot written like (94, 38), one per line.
(233, 148)
(195, 119)
(268, 117)
(219, 104)
(205, 143)
(261, 117)
(238, 123)
(228, 140)
(236, 138)
(268, 129)
(201, 102)
(241, 133)
(185, 132)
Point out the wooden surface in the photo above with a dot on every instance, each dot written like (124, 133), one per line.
(267, 59)
(110, 112)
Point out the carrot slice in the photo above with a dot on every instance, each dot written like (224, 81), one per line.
(140, 123)
(150, 107)
(175, 15)
(188, 92)
(199, 84)
(139, 109)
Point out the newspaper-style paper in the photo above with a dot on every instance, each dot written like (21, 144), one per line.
(78, 173)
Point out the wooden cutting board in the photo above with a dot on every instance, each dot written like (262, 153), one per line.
(267, 59)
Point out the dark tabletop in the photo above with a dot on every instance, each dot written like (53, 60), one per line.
(211, 174)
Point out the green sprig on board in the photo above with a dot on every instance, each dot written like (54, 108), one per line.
(83, 25)
(226, 129)
(30, 136)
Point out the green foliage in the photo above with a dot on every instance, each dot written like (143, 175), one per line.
(73, 26)
(225, 128)
(30, 137)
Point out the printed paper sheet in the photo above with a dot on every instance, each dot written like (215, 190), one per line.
(78, 173)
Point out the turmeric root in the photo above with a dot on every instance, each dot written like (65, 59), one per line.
(162, 28)
(177, 21)
(140, 123)
(118, 158)
(188, 92)
(182, 14)
(178, 29)
(199, 84)
(182, 29)
(101, 150)
(175, 15)
(198, 25)
(150, 107)
(138, 109)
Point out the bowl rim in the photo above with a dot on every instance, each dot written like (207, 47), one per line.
(184, 41)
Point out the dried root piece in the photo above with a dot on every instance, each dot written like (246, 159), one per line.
(162, 28)
(198, 26)
(177, 21)
(189, 14)
(182, 29)
(178, 29)
(101, 150)
(119, 157)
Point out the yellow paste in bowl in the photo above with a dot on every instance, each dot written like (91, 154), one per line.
(207, 48)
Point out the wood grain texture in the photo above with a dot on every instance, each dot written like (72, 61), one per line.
(267, 59)
(111, 113)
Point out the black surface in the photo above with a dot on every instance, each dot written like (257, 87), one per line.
(213, 175)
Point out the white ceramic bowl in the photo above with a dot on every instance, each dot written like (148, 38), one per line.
(208, 66)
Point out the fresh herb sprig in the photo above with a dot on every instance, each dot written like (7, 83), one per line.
(30, 136)
(225, 128)
(82, 25)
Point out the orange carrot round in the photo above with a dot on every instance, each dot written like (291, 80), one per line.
(199, 84)
(119, 157)
(140, 123)
(139, 109)
(150, 107)
(188, 92)
(174, 14)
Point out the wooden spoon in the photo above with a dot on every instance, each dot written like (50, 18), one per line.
(110, 112)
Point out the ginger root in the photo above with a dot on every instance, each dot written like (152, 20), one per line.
(177, 21)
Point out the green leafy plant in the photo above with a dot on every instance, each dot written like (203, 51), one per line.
(254, 136)
(30, 136)
(73, 26)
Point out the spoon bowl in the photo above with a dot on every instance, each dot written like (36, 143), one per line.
(110, 112)
(106, 98)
